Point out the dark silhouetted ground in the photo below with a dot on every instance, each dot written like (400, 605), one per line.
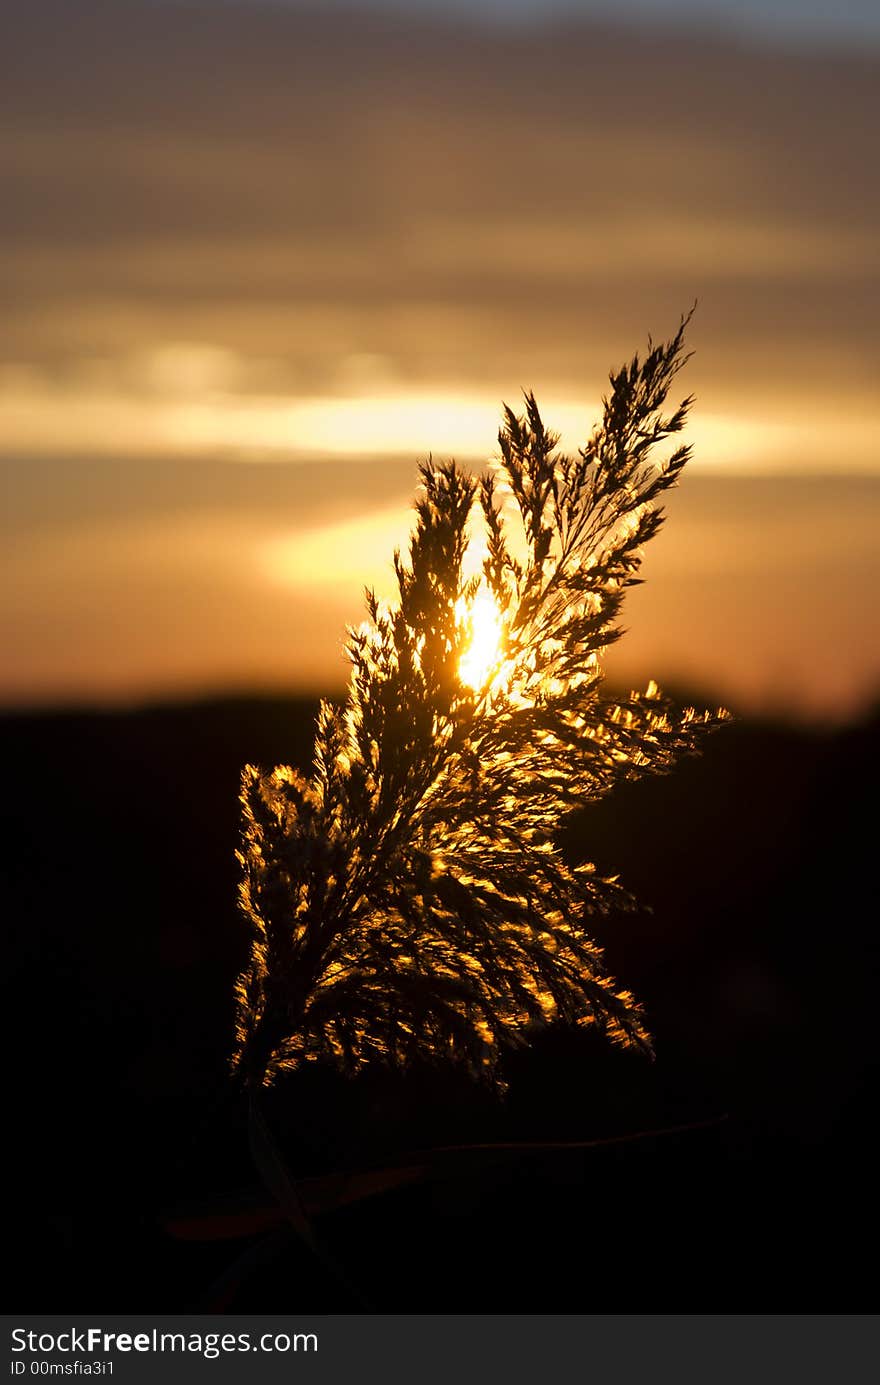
(758, 967)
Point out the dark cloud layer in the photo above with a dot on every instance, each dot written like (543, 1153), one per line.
(470, 203)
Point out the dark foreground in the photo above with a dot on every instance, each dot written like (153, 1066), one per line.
(758, 968)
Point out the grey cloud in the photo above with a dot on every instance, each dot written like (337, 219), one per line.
(260, 179)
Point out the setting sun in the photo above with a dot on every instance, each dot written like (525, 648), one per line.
(482, 622)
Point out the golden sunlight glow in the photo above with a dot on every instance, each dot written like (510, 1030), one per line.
(482, 621)
(344, 555)
(192, 399)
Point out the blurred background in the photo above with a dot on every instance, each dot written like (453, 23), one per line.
(258, 260)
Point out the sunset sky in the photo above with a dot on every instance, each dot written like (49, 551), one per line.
(256, 263)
